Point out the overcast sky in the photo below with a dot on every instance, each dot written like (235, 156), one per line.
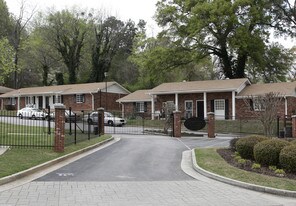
(122, 9)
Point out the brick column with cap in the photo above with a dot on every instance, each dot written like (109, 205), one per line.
(211, 125)
(101, 120)
(294, 126)
(177, 124)
(59, 130)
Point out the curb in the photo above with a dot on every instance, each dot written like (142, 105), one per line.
(245, 185)
(45, 165)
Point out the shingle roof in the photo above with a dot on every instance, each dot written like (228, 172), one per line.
(283, 88)
(137, 96)
(5, 89)
(63, 89)
(201, 86)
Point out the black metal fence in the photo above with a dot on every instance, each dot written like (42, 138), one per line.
(18, 130)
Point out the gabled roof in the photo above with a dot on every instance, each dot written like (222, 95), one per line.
(283, 88)
(201, 86)
(67, 89)
(137, 96)
(5, 89)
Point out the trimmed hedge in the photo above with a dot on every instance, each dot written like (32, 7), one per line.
(288, 158)
(232, 144)
(267, 152)
(245, 146)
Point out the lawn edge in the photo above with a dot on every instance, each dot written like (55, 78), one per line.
(37, 168)
(245, 185)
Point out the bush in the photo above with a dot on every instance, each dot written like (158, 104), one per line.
(293, 142)
(245, 146)
(267, 152)
(232, 144)
(288, 158)
(256, 166)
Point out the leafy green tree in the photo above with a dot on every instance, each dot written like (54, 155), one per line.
(233, 31)
(6, 21)
(68, 30)
(6, 59)
(275, 65)
(112, 36)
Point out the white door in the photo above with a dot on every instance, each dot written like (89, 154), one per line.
(219, 105)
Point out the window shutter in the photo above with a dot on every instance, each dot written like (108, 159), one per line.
(62, 99)
(145, 106)
(83, 98)
(251, 105)
(212, 105)
(54, 99)
(135, 106)
(226, 109)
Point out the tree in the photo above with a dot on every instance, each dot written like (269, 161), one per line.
(111, 37)
(275, 64)
(266, 107)
(6, 59)
(234, 31)
(68, 30)
(6, 21)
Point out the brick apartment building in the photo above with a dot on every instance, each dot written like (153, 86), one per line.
(79, 97)
(226, 98)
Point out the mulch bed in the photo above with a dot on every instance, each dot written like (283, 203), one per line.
(228, 156)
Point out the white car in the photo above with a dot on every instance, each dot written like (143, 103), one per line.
(109, 119)
(31, 113)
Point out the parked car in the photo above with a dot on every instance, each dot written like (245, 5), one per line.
(109, 119)
(68, 115)
(31, 113)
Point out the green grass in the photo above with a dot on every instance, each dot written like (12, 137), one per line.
(210, 160)
(19, 159)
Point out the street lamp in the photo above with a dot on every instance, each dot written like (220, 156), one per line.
(106, 75)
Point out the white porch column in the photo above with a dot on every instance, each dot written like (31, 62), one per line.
(43, 102)
(205, 104)
(177, 101)
(122, 110)
(233, 105)
(152, 107)
(286, 106)
(2, 102)
(18, 102)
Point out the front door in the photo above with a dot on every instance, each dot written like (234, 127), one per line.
(200, 113)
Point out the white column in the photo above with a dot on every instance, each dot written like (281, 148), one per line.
(152, 107)
(233, 105)
(43, 102)
(2, 102)
(286, 106)
(36, 102)
(18, 102)
(205, 104)
(122, 110)
(177, 101)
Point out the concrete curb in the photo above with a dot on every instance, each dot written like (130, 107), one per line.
(245, 185)
(45, 165)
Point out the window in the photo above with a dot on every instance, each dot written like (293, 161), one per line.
(57, 99)
(12, 101)
(188, 109)
(258, 106)
(219, 104)
(79, 98)
(140, 107)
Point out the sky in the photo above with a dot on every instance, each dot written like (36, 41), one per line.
(122, 9)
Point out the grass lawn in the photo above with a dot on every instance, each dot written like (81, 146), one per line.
(210, 160)
(19, 159)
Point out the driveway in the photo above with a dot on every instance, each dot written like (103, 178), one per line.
(137, 170)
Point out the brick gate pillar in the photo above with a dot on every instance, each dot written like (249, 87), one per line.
(211, 125)
(101, 120)
(59, 130)
(294, 126)
(177, 124)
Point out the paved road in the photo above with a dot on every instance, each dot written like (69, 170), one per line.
(137, 170)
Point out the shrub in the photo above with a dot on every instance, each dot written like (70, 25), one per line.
(256, 166)
(273, 168)
(245, 146)
(288, 158)
(293, 142)
(232, 144)
(280, 172)
(267, 152)
(242, 161)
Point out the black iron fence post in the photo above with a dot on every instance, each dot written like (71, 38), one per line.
(88, 122)
(70, 123)
(75, 130)
(48, 120)
(82, 121)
